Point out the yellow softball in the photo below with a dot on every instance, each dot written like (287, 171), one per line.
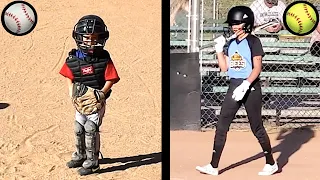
(301, 18)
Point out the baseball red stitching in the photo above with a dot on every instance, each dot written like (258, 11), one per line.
(26, 13)
(309, 16)
(15, 19)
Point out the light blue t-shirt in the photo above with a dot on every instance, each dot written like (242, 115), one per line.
(239, 62)
(240, 56)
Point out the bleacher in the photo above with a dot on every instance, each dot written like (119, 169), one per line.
(289, 70)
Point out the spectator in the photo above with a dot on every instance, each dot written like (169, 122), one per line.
(266, 10)
(315, 42)
(175, 7)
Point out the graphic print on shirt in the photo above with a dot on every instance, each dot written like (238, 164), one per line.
(239, 59)
(237, 62)
(270, 15)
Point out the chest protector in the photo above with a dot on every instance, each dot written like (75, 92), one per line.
(88, 70)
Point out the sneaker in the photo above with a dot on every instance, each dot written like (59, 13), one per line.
(208, 169)
(75, 163)
(84, 171)
(269, 169)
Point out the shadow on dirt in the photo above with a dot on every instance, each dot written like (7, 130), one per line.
(132, 161)
(290, 144)
(4, 105)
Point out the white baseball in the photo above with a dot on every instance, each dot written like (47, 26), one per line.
(19, 18)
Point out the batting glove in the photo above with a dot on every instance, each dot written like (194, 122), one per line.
(220, 42)
(241, 90)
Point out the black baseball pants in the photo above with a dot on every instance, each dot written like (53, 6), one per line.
(253, 104)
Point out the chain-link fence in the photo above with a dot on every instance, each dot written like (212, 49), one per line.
(179, 25)
(290, 76)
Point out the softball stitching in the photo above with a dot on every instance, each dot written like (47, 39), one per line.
(297, 18)
(15, 19)
(305, 7)
(26, 13)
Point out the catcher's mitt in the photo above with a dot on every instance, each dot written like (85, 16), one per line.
(87, 100)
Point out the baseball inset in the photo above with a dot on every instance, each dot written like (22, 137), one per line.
(19, 18)
(301, 18)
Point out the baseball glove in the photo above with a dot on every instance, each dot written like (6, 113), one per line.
(87, 100)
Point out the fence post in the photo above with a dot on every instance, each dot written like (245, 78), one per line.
(195, 25)
(214, 12)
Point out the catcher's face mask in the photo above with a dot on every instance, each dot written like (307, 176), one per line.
(90, 35)
(91, 43)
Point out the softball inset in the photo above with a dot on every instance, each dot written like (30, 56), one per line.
(301, 18)
(19, 18)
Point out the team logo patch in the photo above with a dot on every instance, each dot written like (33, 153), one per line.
(237, 62)
(87, 70)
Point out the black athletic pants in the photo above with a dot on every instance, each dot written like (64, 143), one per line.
(253, 104)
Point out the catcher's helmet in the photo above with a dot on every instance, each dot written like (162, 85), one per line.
(241, 14)
(90, 25)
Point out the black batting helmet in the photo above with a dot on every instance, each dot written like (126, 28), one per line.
(241, 14)
(90, 25)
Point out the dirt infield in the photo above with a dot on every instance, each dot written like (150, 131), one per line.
(295, 150)
(36, 116)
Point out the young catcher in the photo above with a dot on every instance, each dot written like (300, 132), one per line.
(90, 74)
(243, 62)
